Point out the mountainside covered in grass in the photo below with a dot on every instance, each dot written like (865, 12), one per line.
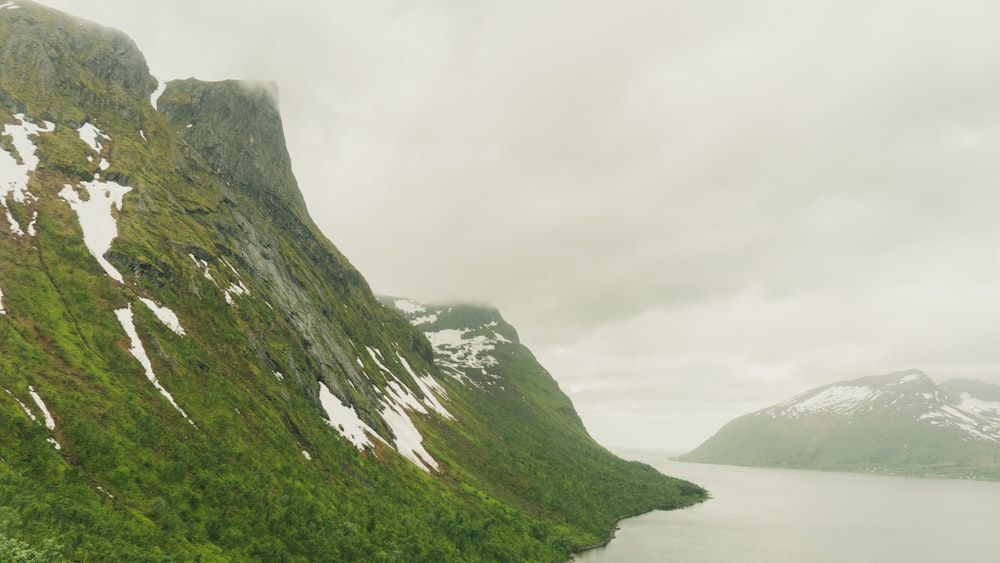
(529, 425)
(899, 423)
(190, 370)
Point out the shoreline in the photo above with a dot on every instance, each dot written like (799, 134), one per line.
(573, 558)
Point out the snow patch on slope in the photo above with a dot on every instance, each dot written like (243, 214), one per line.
(409, 307)
(397, 404)
(139, 352)
(236, 288)
(409, 441)
(230, 292)
(430, 388)
(155, 96)
(345, 419)
(91, 135)
(14, 175)
(97, 218)
(50, 422)
(426, 319)
(166, 316)
(204, 268)
(456, 351)
(24, 407)
(376, 355)
(836, 399)
(979, 406)
(979, 419)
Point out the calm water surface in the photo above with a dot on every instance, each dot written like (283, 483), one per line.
(785, 516)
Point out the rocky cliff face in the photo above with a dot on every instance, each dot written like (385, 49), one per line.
(37, 69)
(235, 126)
(191, 370)
(236, 131)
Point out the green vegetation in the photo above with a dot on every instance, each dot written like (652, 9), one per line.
(913, 428)
(133, 479)
(526, 445)
(870, 444)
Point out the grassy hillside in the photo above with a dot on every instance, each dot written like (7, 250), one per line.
(523, 441)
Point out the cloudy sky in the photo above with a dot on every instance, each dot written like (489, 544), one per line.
(689, 210)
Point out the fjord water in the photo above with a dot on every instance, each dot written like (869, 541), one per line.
(785, 516)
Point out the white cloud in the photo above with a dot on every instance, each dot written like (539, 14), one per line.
(707, 200)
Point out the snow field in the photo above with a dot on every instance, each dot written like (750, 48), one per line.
(345, 419)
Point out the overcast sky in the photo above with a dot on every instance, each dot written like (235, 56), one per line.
(689, 210)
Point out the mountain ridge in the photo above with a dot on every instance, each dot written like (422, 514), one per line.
(900, 422)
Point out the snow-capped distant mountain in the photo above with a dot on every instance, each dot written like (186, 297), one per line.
(910, 393)
(900, 422)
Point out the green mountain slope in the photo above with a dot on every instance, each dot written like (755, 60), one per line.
(523, 440)
(901, 423)
(189, 370)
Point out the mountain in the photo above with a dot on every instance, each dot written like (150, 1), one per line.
(190, 370)
(518, 403)
(899, 423)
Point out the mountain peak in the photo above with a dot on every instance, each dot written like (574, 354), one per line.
(97, 68)
(905, 376)
(847, 397)
(236, 126)
(910, 379)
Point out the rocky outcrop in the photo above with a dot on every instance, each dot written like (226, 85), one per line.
(236, 126)
(40, 63)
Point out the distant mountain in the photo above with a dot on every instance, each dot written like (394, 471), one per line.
(899, 423)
